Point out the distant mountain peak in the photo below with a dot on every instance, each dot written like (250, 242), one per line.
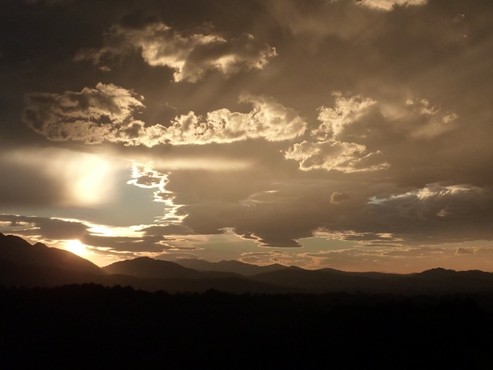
(438, 271)
(146, 267)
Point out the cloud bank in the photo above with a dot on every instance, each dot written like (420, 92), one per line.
(106, 114)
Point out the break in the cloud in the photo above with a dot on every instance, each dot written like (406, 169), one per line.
(102, 242)
(190, 56)
(106, 114)
(144, 176)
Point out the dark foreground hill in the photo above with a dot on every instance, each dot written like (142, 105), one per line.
(86, 326)
(19, 252)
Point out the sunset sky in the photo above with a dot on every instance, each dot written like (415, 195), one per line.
(356, 135)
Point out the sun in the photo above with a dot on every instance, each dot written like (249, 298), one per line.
(76, 247)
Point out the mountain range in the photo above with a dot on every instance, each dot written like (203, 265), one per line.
(26, 265)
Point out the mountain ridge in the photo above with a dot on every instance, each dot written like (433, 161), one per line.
(146, 267)
(23, 264)
(19, 252)
(238, 267)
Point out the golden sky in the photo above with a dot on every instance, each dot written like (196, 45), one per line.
(319, 133)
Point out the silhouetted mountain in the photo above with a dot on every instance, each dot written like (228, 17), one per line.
(152, 275)
(237, 267)
(22, 264)
(435, 281)
(436, 273)
(444, 281)
(19, 252)
(145, 267)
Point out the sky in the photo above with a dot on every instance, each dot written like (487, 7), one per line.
(355, 135)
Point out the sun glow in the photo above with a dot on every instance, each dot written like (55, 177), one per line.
(85, 179)
(76, 247)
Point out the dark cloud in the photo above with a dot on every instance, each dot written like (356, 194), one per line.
(54, 229)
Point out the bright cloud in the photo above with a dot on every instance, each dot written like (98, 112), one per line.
(268, 120)
(336, 155)
(190, 56)
(357, 118)
(106, 114)
(92, 115)
(389, 4)
(346, 112)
